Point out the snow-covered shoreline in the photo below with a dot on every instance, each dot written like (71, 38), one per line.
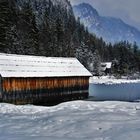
(111, 80)
(105, 89)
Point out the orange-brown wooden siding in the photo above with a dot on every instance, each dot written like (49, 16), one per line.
(20, 84)
(30, 90)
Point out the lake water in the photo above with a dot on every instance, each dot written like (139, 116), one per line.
(117, 92)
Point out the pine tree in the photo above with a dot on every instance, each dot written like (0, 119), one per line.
(28, 31)
(96, 63)
(5, 23)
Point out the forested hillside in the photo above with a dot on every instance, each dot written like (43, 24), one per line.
(49, 28)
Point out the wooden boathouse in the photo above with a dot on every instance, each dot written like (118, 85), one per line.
(41, 80)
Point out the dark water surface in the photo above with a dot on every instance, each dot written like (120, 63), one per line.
(117, 92)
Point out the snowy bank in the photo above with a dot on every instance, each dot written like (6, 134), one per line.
(111, 80)
(78, 120)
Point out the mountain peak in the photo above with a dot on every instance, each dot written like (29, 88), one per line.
(109, 28)
(85, 9)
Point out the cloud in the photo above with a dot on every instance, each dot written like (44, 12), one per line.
(127, 10)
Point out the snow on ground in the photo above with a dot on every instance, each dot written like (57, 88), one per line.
(77, 120)
(108, 80)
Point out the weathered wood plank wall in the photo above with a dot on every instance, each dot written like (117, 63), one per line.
(44, 90)
(0, 88)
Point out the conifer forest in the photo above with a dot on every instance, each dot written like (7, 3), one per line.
(49, 28)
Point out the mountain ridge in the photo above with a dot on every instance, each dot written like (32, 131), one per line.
(111, 29)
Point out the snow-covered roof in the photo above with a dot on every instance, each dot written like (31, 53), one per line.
(12, 65)
(106, 65)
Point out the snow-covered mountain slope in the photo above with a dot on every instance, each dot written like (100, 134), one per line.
(78, 120)
(111, 29)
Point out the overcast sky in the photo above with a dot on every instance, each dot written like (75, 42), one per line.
(127, 10)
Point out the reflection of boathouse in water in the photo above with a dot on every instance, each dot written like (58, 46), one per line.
(41, 80)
